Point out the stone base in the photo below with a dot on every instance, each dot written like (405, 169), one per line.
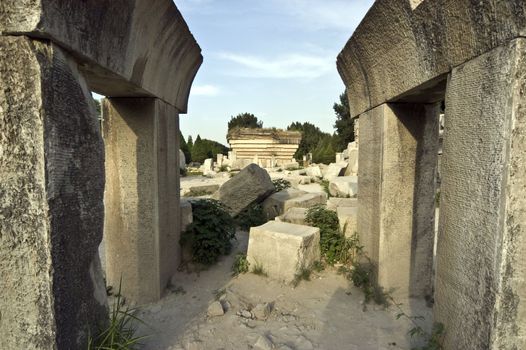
(294, 216)
(348, 218)
(333, 202)
(279, 203)
(344, 186)
(282, 250)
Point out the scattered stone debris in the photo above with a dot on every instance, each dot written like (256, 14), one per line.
(263, 343)
(262, 311)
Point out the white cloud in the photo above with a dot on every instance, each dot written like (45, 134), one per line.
(283, 67)
(205, 90)
(342, 15)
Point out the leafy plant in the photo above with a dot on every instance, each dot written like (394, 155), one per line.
(182, 172)
(334, 246)
(120, 333)
(211, 233)
(251, 217)
(281, 184)
(241, 264)
(223, 168)
(433, 340)
(325, 186)
(302, 275)
(259, 270)
(318, 266)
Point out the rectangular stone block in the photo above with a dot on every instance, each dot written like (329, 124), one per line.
(294, 216)
(279, 203)
(398, 155)
(51, 210)
(333, 202)
(282, 250)
(481, 270)
(142, 226)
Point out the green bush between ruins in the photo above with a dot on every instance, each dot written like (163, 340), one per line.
(211, 233)
(334, 246)
(251, 217)
(240, 265)
(281, 184)
(120, 333)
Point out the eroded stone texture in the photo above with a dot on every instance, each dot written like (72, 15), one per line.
(481, 271)
(400, 52)
(398, 154)
(121, 43)
(142, 223)
(51, 210)
(282, 250)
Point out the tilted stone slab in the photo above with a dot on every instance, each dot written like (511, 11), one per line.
(334, 170)
(128, 47)
(282, 250)
(251, 185)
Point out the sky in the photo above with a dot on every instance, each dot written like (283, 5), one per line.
(273, 58)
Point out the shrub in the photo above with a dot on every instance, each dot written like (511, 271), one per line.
(251, 217)
(281, 184)
(334, 246)
(302, 275)
(211, 233)
(325, 185)
(240, 265)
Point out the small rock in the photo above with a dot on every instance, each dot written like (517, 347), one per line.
(262, 311)
(215, 309)
(244, 313)
(194, 346)
(263, 343)
(285, 347)
(303, 343)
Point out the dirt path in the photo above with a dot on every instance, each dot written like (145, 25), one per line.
(324, 313)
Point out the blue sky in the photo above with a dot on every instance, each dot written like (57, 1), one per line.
(273, 58)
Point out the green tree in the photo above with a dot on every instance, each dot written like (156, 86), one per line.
(184, 147)
(190, 143)
(203, 149)
(311, 136)
(245, 120)
(324, 151)
(344, 124)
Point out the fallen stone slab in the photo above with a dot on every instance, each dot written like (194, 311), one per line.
(314, 171)
(352, 168)
(348, 219)
(251, 185)
(335, 170)
(279, 203)
(294, 216)
(344, 186)
(334, 202)
(282, 250)
(201, 190)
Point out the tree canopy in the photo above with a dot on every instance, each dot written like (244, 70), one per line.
(184, 147)
(245, 120)
(203, 149)
(344, 125)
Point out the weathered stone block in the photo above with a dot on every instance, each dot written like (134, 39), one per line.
(51, 209)
(201, 190)
(283, 249)
(251, 185)
(142, 226)
(333, 203)
(294, 216)
(186, 214)
(314, 171)
(117, 42)
(334, 170)
(344, 186)
(279, 203)
(348, 219)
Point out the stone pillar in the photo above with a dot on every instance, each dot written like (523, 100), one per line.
(481, 265)
(51, 210)
(142, 225)
(397, 184)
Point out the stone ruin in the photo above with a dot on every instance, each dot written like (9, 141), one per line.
(404, 59)
(268, 148)
(141, 54)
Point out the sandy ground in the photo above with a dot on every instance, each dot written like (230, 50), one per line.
(324, 313)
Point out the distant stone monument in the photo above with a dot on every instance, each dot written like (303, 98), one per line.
(265, 147)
